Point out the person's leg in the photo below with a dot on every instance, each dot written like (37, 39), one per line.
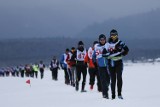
(84, 73)
(78, 77)
(91, 77)
(66, 76)
(56, 74)
(113, 81)
(70, 75)
(119, 70)
(98, 81)
(73, 75)
(105, 80)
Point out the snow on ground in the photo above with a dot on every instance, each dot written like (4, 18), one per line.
(140, 89)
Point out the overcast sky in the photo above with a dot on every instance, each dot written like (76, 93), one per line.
(80, 12)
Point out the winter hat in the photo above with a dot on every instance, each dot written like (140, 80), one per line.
(102, 36)
(67, 50)
(73, 48)
(113, 32)
(80, 43)
(54, 57)
(95, 42)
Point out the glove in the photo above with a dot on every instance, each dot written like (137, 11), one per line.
(124, 53)
(105, 53)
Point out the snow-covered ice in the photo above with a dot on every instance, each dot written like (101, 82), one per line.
(140, 89)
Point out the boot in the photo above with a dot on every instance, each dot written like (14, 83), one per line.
(91, 87)
(120, 97)
(106, 96)
(77, 86)
(113, 96)
(83, 90)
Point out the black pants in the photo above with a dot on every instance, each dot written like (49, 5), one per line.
(81, 70)
(1, 74)
(105, 80)
(93, 72)
(36, 74)
(17, 73)
(32, 73)
(7, 74)
(22, 73)
(54, 73)
(66, 76)
(116, 68)
(41, 72)
(28, 73)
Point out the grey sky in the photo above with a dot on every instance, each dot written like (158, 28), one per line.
(78, 14)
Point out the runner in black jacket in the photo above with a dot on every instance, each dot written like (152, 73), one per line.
(117, 50)
(81, 66)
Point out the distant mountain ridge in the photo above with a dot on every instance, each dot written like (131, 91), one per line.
(146, 25)
(23, 51)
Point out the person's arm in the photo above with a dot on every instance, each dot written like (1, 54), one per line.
(86, 59)
(94, 59)
(125, 49)
(62, 62)
(105, 52)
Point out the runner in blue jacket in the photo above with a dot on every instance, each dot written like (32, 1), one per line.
(102, 64)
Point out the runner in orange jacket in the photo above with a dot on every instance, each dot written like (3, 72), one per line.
(93, 70)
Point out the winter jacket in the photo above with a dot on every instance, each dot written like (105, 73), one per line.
(63, 62)
(117, 49)
(35, 68)
(71, 61)
(88, 58)
(54, 64)
(97, 56)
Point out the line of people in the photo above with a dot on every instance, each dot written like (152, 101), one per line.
(104, 60)
(29, 70)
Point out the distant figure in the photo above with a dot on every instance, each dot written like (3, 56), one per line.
(35, 70)
(16, 68)
(54, 66)
(1, 72)
(64, 66)
(13, 72)
(28, 70)
(72, 64)
(22, 70)
(7, 71)
(41, 69)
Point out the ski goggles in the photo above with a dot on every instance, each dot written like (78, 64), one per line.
(114, 36)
